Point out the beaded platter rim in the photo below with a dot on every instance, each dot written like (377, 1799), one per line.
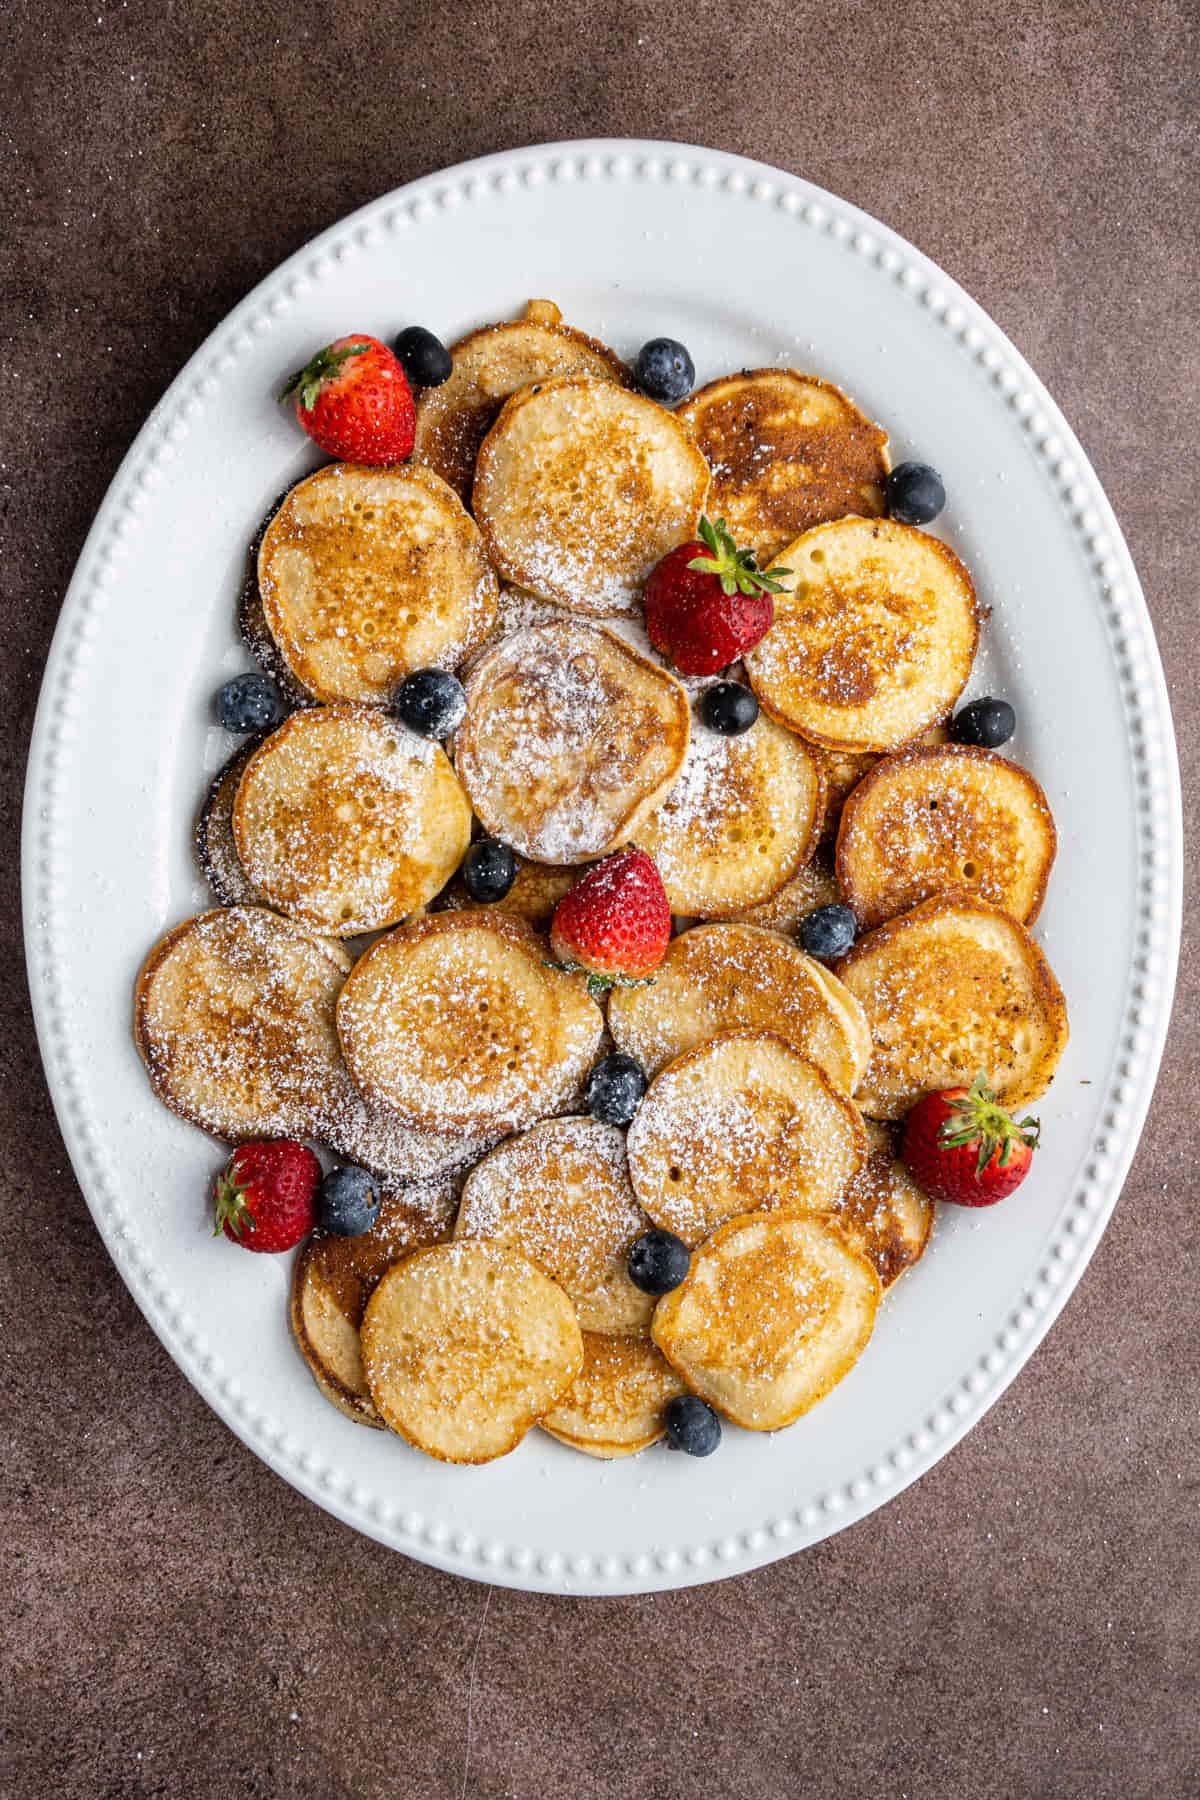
(1157, 820)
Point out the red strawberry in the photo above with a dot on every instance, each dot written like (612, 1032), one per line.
(961, 1145)
(353, 399)
(708, 601)
(615, 922)
(266, 1195)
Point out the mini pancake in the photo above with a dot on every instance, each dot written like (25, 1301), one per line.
(737, 824)
(776, 1309)
(874, 635)
(718, 978)
(743, 1121)
(216, 851)
(335, 1276)
(561, 1194)
(617, 1403)
(488, 366)
(844, 769)
(347, 821)
(957, 817)
(533, 896)
(882, 1211)
(581, 488)
(465, 1346)
(787, 452)
(367, 574)
(234, 1020)
(460, 1022)
(814, 884)
(950, 988)
(571, 740)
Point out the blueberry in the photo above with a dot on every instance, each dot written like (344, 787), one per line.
(349, 1201)
(664, 371)
(828, 932)
(692, 1425)
(615, 1088)
(729, 708)
(423, 357)
(658, 1261)
(488, 870)
(430, 702)
(250, 703)
(914, 493)
(988, 722)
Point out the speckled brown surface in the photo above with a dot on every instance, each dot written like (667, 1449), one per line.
(177, 1621)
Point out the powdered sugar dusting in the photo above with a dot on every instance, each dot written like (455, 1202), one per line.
(568, 736)
(741, 1123)
(737, 822)
(562, 1194)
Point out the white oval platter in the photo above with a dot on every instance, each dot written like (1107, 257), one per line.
(748, 266)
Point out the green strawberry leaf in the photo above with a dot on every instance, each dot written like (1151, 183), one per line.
(736, 570)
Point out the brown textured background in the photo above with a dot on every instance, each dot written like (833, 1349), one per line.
(176, 1621)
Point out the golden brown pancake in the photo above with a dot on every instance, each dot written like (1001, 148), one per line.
(787, 452)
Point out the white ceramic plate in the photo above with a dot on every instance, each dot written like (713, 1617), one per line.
(747, 266)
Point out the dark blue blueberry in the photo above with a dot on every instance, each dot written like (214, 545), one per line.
(692, 1425)
(988, 722)
(914, 493)
(729, 708)
(349, 1201)
(615, 1088)
(665, 371)
(431, 702)
(250, 703)
(488, 870)
(658, 1261)
(828, 932)
(423, 357)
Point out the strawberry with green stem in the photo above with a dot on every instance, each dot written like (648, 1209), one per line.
(354, 401)
(962, 1146)
(708, 601)
(615, 922)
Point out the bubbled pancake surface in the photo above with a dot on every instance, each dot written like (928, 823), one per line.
(882, 1211)
(951, 988)
(743, 1121)
(727, 977)
(367, 574)
(739, 821)
(775, 1311)
(561, 1193)
(465, 1346)
(582, 487)
(957, 817)
(787, 452)
(488, 366)
(874, 635)
(617, 1403)
(571, 738)
(234, 1019)
(814, 884)
(347, 821)
(460, 1023)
